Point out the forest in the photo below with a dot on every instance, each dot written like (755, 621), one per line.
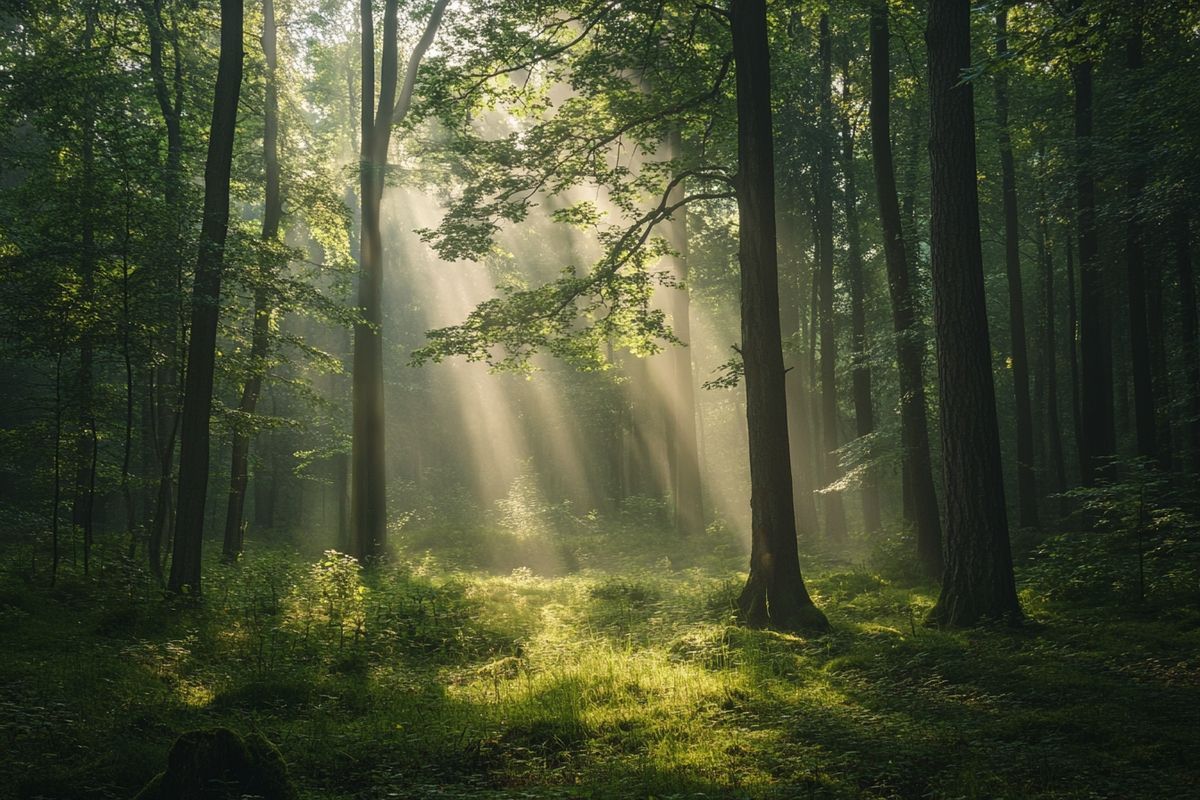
(599, 399)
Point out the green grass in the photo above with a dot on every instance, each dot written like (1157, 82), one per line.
(418, 680)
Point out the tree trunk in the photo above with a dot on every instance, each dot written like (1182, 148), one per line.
(1182, 235)
(1053, 423)
(910, 345)
(1098, 433)
(978, 580)
(272, 213)
(1073, 360)
(1027, 500)
(1135, 268)
(835, 515)
(864, 411)
(368, 491)
(774, 594)
(683, 455)
(206, 298)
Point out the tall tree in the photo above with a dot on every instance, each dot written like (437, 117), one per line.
(1053, 424)
(1181, 234)
(910, 345)
(864, 410)
(978, 580)
(1098, 432)
(683, 455)
(835, 515)
(259, 341)
(206, 297)
(1144, 412)
(774, 594)
(368, 487)
(1027, 501)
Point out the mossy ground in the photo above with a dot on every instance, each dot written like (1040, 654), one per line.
(418, 680)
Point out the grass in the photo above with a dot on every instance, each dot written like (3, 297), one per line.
(618, 680)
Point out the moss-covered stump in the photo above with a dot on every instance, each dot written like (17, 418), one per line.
(219, 764)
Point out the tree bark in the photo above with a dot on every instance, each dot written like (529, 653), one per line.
(910, 345)
(259, 342)
(864, 410)
(978, 581)
(835, 514)
(774, 594)
(206, 298)
(1057, 466)
(368, 491)
(1027, 498)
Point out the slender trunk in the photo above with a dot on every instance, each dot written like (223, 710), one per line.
(978, 580)
(774, 594)
(1027, 499)
(1135, 271)
(800, 436)
(835, 515)
(1160, 375)
(1073, 360)
(127, 357)
(1182, 236)
(864, 411)
(85, 479)
(683, 454)
(368, 504)
(259, 342)
(910, 345)
(206, 298)
(55, 556)
(1050, 344)
(1098, 434)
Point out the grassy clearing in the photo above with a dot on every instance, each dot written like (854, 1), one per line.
(417, 680)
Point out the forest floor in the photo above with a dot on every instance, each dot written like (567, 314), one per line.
(617, 680)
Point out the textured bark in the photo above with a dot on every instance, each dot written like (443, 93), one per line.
(978, 581)
(774, 594)
(864, 411)
(910, 345)
(368, 490)
(206, 297)
(835, 514)
(1098, 434)
(683, 457)
(1053, 420)
(1027, 496)
(259, 342)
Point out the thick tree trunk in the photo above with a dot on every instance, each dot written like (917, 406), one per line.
(835, 515)
(774, 594)
(206, 298)
(864, 411)
(910, 345)
(1098, 433)
(1027, 496)
(978, 580)
(272, 214)
(683, 456)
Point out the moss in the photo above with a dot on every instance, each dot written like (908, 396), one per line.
(218, 764)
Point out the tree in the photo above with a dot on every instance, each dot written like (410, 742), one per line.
(368, 489)
(1026, 477)
(206, 298)
(272, 214)
(978, 581)
(910, 345)
(835, 515)
(774, 594)
(864, 411)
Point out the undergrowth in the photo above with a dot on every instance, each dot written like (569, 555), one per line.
(624, 678)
